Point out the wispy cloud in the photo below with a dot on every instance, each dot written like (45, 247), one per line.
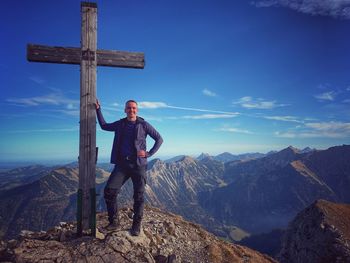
(333, 8)
(326, 96)
(324, 86)
(151, 105)
(115, 107)
(234, 130)
(331, 129)
(42, 83)
(157, 105)
(287, 134)
(208, 116)
(37, 80)
(334, 126)
(259, 103)
(49, 99)
(72, 129)
(284, 118)
(208, 93)
(74, 113)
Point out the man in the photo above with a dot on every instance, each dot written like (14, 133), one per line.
(129, 154)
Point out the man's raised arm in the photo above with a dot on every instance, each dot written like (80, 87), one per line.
(103, 124)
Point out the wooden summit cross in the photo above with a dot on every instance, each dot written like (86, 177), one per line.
(88, 57)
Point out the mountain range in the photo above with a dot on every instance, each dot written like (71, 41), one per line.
(268, 192)
(227, 157)
(233, 199)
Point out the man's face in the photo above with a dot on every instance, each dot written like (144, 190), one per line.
(131, 110)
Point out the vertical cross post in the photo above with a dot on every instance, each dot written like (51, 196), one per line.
(87, 144)
(88, 58)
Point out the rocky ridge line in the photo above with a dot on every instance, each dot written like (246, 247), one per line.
(320, 233)
(165, 238)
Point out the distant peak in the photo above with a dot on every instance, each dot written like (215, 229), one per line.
(174, 159)
(203, 156)
(289, 149)
(285, 156)
(296, 150)
(154, 162)
(225, 154)
(187, 159)
(307, 149)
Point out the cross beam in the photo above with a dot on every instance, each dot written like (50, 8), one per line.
(73, 55)
(88, 57)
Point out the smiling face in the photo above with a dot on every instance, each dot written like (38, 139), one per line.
(131, 110)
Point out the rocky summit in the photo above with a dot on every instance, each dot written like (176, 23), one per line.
(320, 233)
(165, 237)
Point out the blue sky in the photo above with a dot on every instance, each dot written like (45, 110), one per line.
(236, 76)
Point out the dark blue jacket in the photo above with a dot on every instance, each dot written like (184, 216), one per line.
(142, 129)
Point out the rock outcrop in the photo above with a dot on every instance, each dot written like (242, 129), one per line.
(165, 238)
(320, 233)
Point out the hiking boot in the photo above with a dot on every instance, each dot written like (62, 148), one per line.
(136, 228)
(112, 225)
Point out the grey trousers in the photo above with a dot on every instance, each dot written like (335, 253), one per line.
(120, 174)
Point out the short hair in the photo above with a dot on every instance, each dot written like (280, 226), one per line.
(126, 103)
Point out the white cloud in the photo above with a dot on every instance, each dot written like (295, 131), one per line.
(73, 129)
(283, 118)
(330, 126)
(42, 83)
(208, 93)
(259, 103)
(310, 119)
(112, 108)
(245, 99)
(324, 86)
(74, 113)
(50, 99)
(285, 134)
(153, 118)
(333, 8)
(151, 105)
(71, 106)
(157, 105)
(326, 96)
(331, 129)
(235, 130)
(209, 116)
(37, 80)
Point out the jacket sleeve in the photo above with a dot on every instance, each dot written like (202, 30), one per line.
(158, 140)
(103, 124)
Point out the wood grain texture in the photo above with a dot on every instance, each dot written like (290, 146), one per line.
(73, 55)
